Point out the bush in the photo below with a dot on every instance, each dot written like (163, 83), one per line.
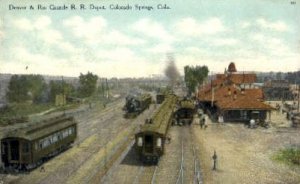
(290, 156)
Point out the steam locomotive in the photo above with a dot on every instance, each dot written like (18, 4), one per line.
(185, 111)
(136, 104)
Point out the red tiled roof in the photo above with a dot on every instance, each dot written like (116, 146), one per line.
(231, 97)
(242, 102)
(237, 78)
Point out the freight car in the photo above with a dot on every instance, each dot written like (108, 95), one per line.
(27, 147)
(185, 111)
(136, 104)
(150, 140)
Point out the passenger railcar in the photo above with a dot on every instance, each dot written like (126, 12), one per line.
(136, 104)
(28, 147)
(150, 140)
(160, 97)
(185, 111)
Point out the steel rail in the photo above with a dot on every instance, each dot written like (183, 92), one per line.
(197, 173)
(180, 174)
(154, 175)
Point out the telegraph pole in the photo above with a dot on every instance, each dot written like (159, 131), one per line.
(298, 96)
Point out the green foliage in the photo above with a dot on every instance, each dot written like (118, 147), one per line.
(18, 111)
(60, 87)
(22, 88)
(88, 84)
(193, 76)
(289, 156)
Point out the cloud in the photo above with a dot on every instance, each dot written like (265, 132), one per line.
(279, 26)
(41, 23)
(43, 31)
(38, 63)
(51, 36)
(117, 38)
(25, 56)
(1, 30)
(90, 29)
(152, 29)
(245, 24)
(273, 46)
(118, 54)
(95, 30)
(264, 63)
(161, 48)
(191, 27)
(225, 42)
(23, 24)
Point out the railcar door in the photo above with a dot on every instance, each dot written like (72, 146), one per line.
(4, 152)
(14, 150)
(149, 144)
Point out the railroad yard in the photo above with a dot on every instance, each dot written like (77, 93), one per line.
(104, 152)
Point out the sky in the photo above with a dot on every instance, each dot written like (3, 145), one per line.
(257, 35)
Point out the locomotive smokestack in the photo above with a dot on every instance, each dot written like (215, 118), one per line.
(171, 71)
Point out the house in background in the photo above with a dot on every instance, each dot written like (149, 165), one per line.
(277, 90)
(233, 97)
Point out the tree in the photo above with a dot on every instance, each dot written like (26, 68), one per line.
(22, 88)
(17, 89)
(193, 76)
(87, 84)
(293, 77)
(60, 87)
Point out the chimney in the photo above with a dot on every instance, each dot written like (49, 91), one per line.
(229, 91)
(234, 95)
(243, 91)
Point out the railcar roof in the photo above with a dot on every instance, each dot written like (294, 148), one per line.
(41, 127)
(187, 104)
(160, 119)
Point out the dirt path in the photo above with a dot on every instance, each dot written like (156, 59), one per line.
(244, 155)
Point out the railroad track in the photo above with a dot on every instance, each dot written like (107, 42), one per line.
(189, 171)
(146, 174)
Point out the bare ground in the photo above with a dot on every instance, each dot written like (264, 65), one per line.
(245, 155)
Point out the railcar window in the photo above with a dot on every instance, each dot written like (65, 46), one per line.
(25, 147)
(49, 138)
(65, 133)
(42, 143)
(140, 141)
(54, 138)
(158, 143)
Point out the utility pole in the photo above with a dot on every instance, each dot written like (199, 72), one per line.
(298, 96)
(63, 93)
(107, 89)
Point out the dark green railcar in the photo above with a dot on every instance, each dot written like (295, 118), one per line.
(150, 140)
(160, 97)
(27, 147)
